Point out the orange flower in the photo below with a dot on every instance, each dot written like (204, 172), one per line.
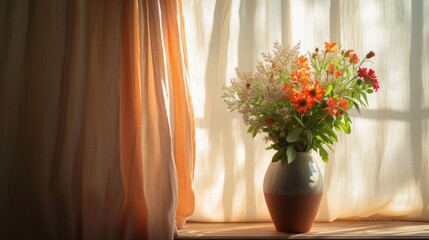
(302, 102)
(333, 107)
(331, 68)
(301, 75)
(331, 47)
(354, 59)
(338, 73)
(343, 103)
(295, 76)
(303, 62)
(305, 76)
(314, 92)
(289, 89)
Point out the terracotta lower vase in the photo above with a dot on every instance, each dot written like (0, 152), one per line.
(293, 193)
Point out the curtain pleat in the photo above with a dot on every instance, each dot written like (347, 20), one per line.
(134, 208)
(170, 136)
(157, 139)
(96, 120)
(182, 113)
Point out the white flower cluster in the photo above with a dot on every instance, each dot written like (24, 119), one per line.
(258, 95)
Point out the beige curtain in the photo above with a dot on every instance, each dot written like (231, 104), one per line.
(96, 123)
(380, 171)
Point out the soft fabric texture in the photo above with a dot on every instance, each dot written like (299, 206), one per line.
(97, 132)
(380, 171)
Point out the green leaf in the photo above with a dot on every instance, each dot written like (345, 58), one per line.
(279, 155)
(347, 118)
(250, 129)
(329, 146)
(336, 63)
(253, 130)
(346, 125)
(326, 64)
(353, 100)
(352, 104)
(254, 133)
(309, 137)
(366, 99)
(329, 88)
(275, 146)
(299, 121)
(331, 133)
(315, 67)
(294, 135)
(291, 154)
(324, 154)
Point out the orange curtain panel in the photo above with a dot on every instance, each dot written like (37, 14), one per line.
(96, 122)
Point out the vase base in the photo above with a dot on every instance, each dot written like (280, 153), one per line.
(293, 214)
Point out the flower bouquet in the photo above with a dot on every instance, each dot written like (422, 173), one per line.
(301, 102)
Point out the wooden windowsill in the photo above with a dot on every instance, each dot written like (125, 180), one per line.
(333, 230)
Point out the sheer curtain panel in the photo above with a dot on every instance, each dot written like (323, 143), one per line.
(380, 171)
(96, 123)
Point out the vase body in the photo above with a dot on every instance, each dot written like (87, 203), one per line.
(293, 193)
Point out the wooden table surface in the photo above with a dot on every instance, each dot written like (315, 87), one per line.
(333, 230)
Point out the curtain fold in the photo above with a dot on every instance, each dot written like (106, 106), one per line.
(96, 123)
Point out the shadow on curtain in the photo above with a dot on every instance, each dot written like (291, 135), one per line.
(380, 171)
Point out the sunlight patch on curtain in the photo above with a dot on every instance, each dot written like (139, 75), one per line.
(379, 171)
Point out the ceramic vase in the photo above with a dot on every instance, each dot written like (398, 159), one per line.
(293, 192)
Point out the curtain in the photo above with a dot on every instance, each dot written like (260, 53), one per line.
(96, 122)
(380, 171)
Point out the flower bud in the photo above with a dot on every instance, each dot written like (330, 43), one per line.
(269, 122)
(370, 54)
(348, 52)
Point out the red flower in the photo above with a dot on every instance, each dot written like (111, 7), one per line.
(370, 54)
(302, 102)
(347, 53)
(269, 122)
(369, 76)
(314, 92)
